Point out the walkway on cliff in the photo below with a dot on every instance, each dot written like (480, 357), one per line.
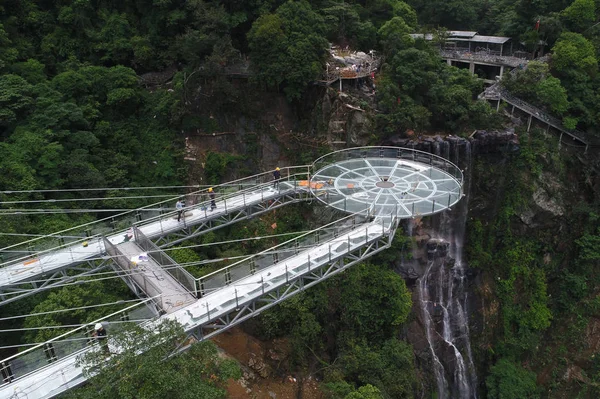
(497, 93)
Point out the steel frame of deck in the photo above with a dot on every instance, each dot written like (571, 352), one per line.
(55, 278)
(88, 267)
(248, 212)
(292, 287)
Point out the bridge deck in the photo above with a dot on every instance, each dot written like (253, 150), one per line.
(50, 261)
(155, 281)
(65, 373)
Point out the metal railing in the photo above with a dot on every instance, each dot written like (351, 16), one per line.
(436, 202)
(365, 70)
(90, 234)
(232, 196)
(279, 253)
(74, 341)
(484, 56)
(403, 153)
(165, 261)
(543, 116)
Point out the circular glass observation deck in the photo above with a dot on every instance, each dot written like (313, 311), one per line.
(386, 181)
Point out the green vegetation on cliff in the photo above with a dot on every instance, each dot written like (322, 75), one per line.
(84, 104)
(537, 254)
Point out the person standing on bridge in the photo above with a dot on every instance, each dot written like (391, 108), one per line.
(213, 204)
(179, 207)
(100, 335)
(276, 177)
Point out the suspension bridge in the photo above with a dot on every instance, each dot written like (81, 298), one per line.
(374, 188)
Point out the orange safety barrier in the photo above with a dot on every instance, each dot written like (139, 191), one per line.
(304, 183)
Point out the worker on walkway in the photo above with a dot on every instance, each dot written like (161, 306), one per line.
(211, 194)
(179, 207)
(100, 335)
(276, 177)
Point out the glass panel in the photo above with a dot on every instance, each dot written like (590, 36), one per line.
(65, 348)
(213, 282)
(28, 362)
(240, 271)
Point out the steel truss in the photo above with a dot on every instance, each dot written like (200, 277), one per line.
(85, 268)
(59, 277)
(291, 287)
(248, 212)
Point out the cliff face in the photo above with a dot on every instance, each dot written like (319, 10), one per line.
(532, 290)
(522, 284)
(264, 130)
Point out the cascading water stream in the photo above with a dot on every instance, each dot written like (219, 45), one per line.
(443, 301)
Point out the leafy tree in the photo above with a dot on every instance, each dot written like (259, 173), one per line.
(365, 392)
(394, 35)
(551, 93)
(588, 247)
(343, 24)
(384, 302)
(388, 367)
(74, 296)
(418, 91)
(8, 54)
(508, 380)
(580, 15)
(406, 12)
(453, 14)
(288, 47)
(15, 98)
(31, 70)
(571, 52)
(145, 367)
(536, 85)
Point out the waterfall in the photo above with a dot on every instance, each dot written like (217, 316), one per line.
(442, 297)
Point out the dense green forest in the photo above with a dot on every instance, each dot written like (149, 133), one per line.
(79, 110)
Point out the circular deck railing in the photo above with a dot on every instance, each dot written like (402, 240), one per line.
(386, 181)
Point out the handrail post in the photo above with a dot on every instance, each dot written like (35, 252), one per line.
(237, 304)
(308, 256)
(286, 274)
(262, 284)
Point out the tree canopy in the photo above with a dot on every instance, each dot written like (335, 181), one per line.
(145, 368)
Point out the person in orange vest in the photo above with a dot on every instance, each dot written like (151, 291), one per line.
(211, 194)
(276, 177)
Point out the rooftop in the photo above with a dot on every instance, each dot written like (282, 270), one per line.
(464, 36)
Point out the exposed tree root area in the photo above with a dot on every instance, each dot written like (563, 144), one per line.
(265, 369)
